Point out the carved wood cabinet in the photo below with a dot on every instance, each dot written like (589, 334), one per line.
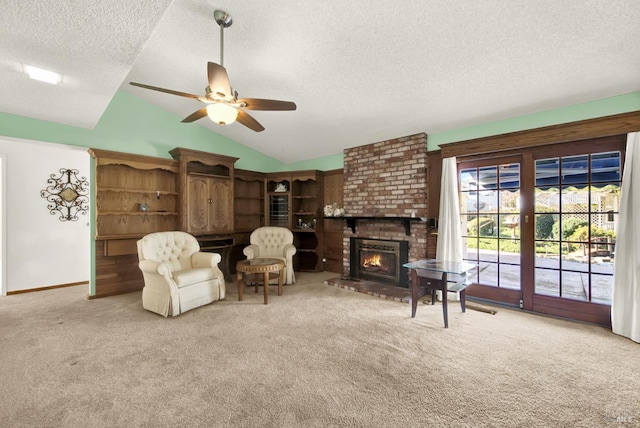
(206, 188)
(208, 202)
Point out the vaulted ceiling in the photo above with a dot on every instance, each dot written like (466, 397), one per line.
(359, 71)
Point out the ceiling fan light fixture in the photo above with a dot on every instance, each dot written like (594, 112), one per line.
(222, 114)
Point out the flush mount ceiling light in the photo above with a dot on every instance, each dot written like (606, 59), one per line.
(42, 75)
(223, 105)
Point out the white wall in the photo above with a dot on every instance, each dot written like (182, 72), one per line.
(41, 250)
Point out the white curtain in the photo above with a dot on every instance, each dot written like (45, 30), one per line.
(449, 232)
(625, 306)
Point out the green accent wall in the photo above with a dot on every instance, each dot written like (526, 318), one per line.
(132, 125)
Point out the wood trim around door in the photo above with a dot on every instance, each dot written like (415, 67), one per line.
(573, 131)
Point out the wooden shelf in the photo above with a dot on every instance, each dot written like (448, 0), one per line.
(122, 189)
(137, 213)
(248, 190)
(117, 237)
(123, 182)
(352, 221)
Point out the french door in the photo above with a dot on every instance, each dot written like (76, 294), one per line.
(541, 225)
(490, 211)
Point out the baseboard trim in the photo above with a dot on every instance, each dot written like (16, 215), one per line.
(50, 287)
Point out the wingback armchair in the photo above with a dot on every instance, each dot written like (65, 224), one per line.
(177, 275)
(273, 242)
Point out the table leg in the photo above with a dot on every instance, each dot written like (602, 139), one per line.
(445, 294)
(414, 292)
(280, 275)
(266, 287)
(240, 285)
(463, 295)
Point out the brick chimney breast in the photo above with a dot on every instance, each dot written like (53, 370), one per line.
(387, 179)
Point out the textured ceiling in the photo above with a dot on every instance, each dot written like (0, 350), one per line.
(360, 71)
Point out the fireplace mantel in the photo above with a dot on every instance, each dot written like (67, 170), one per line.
(352, 221)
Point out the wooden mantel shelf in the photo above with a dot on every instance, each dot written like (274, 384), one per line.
(352, 221)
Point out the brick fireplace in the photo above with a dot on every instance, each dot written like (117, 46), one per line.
(385, 187)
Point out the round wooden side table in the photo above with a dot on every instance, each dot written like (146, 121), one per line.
(264, 266)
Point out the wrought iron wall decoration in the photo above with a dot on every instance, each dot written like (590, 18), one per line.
(67, 194)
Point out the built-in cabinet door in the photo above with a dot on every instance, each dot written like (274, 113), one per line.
(199, 202)
(221, 205)
(210, 205)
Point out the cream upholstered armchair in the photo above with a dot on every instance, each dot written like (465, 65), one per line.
(273, 242)
(177, 275)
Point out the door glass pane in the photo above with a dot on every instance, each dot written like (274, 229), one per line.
(547, 199)
(544, 223)
(469, 225)
(490, 215)
(485, 226)
(605, 197)
(601, 288)
(488, 251)
(509, 201)
(510, 176)
(574, 199)
(547, 282)
(510, 276)
(468, 202)
(605, 167)
(470, 249)
(547, 254)
(468, 179)
(509, 226)
(547, 172)
(578, 227)
(574, 285)
(487, 201)
(489, 276)
(575, 169)
(488, 177)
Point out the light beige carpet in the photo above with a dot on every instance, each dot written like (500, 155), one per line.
(318, 356)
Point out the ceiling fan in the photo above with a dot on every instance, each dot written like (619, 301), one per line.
(223, 105)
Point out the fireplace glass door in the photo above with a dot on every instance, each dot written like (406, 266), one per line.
(379, 260)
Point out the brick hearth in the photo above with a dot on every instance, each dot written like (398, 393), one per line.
(372, 288)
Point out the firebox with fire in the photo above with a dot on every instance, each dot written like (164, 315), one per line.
(380, 263)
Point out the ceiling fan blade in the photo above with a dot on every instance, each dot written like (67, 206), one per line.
(261, 104)
(168, 91)
(218, 79)
(195, 115)
(247, 120)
